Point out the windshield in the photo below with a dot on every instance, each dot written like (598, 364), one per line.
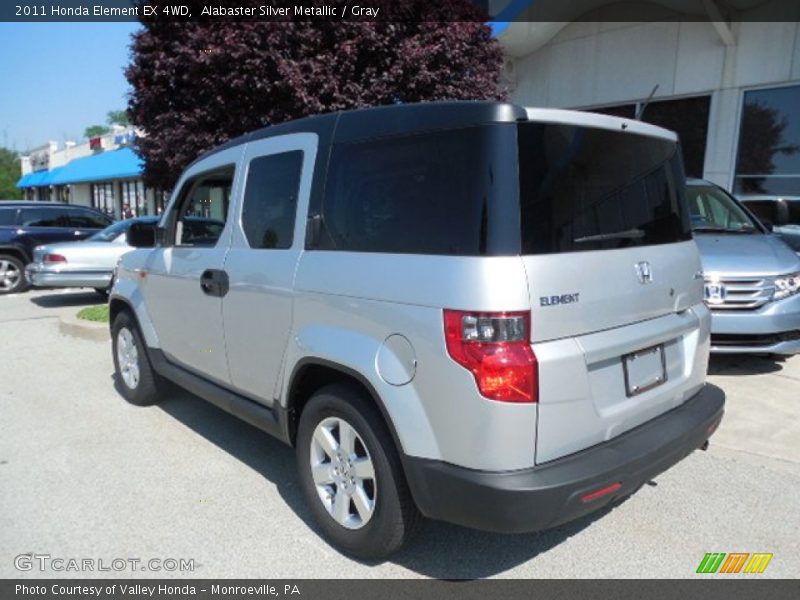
(110, 233)
(712, 210)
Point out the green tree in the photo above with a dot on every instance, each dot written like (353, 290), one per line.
(9, 175)
(95, 130)
(118, 117)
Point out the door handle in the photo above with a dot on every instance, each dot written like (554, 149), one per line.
(214, 282)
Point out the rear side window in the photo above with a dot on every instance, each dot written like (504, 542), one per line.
(8, 216)
(44, 217)
(447, 193)
(591, 189)
(270, 199)
(87, 219)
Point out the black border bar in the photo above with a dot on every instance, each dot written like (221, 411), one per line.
(503, 11)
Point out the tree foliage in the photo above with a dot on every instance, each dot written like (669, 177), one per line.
(118, 117)
(9, 175)
(198, 84)
(95, 130)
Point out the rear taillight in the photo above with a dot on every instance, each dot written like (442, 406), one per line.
(495, 347)
(54, 258)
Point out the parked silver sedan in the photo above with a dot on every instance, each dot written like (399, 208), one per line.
(89, 263)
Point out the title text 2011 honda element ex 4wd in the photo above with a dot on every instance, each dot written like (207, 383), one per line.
(474, 312)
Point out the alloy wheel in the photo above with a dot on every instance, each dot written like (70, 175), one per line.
(9, 275)
(343, 473)
(128, 358)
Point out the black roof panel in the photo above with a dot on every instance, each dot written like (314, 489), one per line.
(381, 121)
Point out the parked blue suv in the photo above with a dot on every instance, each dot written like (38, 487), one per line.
(25, 225)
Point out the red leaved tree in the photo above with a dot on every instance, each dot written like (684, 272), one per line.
(198, 84)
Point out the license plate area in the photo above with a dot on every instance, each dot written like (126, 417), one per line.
(644, 370)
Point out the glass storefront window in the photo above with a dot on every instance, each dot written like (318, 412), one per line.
(768, 161)
(103, 197)
(688, 117)
(133, 194)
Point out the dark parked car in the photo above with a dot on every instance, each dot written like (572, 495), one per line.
(25, 225)
(782, 214)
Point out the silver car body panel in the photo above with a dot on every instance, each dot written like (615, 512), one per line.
(746, 265)
(189, 322)
(89, 263)
(583, 400)
(347, 306)
(257, 311)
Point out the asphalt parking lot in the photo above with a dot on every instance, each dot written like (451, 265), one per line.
(83, 474)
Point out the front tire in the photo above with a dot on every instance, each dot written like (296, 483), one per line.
(12, 275)
(351, 474)
(138, 382)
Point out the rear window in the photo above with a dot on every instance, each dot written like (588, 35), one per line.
(8, 216)
(593, 189)
(448, 192)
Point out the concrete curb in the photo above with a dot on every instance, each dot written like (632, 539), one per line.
(81, 328)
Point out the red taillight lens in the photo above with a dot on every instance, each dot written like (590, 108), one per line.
(55, 258)
(495, 347)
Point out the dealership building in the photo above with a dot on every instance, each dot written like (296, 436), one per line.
(104, 172)
(730, 89)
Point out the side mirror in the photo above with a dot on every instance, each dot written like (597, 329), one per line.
(142, 235)
(768, 224)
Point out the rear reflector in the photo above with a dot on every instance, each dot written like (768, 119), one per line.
(54, 258)
(609, 489)
(495, 348)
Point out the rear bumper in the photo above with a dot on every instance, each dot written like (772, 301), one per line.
(42, 276)
(550, 494)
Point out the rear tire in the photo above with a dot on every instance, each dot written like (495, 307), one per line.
(351, 474)
(12, 275)
(138, 382)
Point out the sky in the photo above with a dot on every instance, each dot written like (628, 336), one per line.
(58, 78)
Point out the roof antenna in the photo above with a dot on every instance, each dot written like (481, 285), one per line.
(640, 112)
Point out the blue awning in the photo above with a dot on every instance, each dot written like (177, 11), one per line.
(113, 164)
(48, 178)
(33, 179)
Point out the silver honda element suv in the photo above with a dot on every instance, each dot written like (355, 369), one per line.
(472, 312)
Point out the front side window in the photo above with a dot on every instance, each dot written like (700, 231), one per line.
(202, 209)
(768, 160)
(584, 188)
(769, 210)
(270, 199)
